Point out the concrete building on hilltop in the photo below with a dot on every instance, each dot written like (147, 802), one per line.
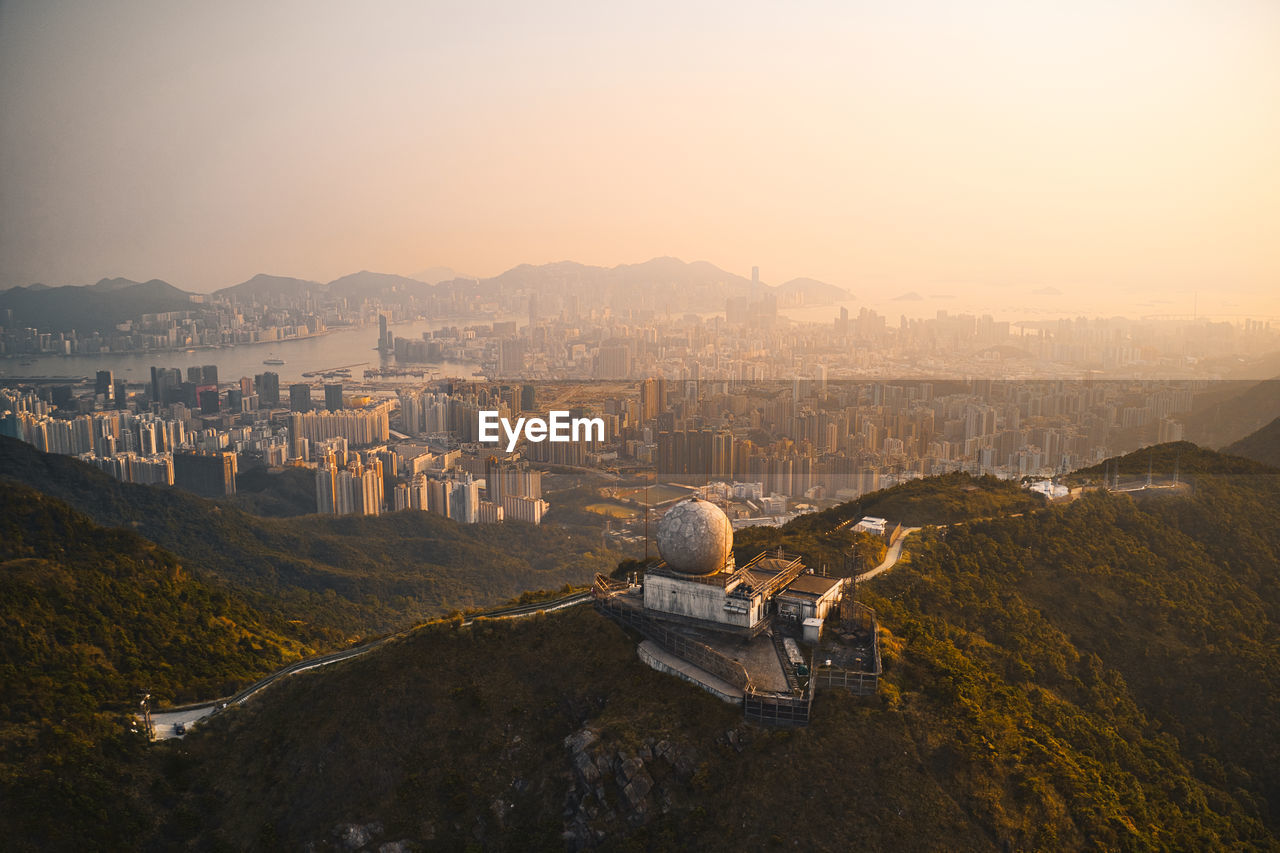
(736, 630)
(698, 583)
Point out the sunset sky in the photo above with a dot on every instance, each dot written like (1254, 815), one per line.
(1098, 148)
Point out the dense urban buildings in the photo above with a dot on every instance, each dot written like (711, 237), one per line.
(763, 415)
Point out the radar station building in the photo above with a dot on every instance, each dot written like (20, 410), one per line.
(698, 583)
(704, 618)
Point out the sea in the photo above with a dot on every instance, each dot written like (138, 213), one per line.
(353, 347)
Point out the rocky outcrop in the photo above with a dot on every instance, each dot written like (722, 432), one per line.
(616, 788)
(353, 837)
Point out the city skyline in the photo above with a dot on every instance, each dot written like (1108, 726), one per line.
(1108, 153)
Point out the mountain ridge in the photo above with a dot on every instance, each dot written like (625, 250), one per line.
(686, 286)
(95, 307)
(1261, 446)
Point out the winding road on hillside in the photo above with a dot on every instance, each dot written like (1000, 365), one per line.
(894, 553)
(165, 724)
(891, 557)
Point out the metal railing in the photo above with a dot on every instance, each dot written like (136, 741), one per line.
(859, 683)
(773, 710)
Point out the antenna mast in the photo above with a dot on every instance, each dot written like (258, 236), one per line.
(646, 526)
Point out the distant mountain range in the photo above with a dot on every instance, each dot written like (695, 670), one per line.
(93, 307)
(814, 292)
(435, 275)
(665, 284)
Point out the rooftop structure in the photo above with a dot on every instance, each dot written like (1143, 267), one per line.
(871, 524)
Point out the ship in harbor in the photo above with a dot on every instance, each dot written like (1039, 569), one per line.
(273, 360)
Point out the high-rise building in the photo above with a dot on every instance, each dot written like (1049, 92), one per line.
(386, 342)
(300, 397)
(354, 490)
(299, 445)
(104, 386)
(510, 358)
(464, 500)
(333, 397)
(651, 402)
(504, 478)
(410, 412)
(165, 382)
(490, 513)
(268, 385)
(369, 425)
(208, 401)
(614, 362)
(212, 474)
(517, 508)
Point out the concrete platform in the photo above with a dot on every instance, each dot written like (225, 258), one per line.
(663, 661)
(757, 656)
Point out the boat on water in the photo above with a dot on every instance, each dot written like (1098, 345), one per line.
(273, 361)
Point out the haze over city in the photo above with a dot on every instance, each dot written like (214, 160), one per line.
(1122, 156)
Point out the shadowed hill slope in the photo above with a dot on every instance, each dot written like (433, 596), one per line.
(342, 577)
(1262, 446)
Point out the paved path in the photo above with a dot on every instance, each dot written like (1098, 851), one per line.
(165, 723)
(890, 558)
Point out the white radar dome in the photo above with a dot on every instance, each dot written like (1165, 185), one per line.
(695, 537)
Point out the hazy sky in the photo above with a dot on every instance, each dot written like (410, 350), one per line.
(1097, 147)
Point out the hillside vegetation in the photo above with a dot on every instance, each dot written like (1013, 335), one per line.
(1096, 675)
(89, 617)
(844, 552)
(340, 577)
(1100, 674)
